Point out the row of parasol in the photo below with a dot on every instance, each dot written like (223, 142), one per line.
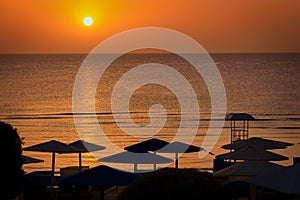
(54, 147)
(140, 153)
(254, 165)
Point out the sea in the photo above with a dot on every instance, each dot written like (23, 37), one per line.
(37, 89)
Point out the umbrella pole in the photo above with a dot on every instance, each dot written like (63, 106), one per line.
(176, 160)
(80, 165)
(52, 175)
(154, 164)
(102, 193)
(252, 192)
(53, 168)
(135, 167)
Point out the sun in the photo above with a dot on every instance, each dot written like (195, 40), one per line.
(88, 21)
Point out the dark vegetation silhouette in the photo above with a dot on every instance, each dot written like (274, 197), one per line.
(171, 183)
(11, 171)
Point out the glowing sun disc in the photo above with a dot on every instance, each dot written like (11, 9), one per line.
(88, 21)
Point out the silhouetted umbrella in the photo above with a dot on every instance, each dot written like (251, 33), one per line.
(161, 146)
(29, 160)
(285, 180)
(53, 147)
(247, 168)
(100, 176)
(252, 154)
(152, 144)
(257, 143)
(179, 147)
(84, 147)
(136, 158)
(239, 116)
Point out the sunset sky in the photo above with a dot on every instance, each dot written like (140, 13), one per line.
(56, 26)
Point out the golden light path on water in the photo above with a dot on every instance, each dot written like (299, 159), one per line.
(41, 109)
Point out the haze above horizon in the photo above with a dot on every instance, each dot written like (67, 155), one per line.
(54, 27)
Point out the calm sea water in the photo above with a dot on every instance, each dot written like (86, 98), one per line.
(36, 98)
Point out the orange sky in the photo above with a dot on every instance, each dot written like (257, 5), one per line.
(55, 26)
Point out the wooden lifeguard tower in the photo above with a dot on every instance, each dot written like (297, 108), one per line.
(239, 125)
(239, 130)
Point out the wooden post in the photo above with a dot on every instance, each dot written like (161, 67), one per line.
(53, 168)
(52, 175)
(154, 164)
(135, 168)
(252, 192)
(80, 164)
(102, 193)
(176, 160)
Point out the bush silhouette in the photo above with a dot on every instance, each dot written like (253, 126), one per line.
(170, 183)
(11, 161)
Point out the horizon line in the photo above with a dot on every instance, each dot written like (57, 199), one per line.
(86, 53)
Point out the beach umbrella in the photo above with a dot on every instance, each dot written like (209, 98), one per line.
(136, 158)
(152, 144)
(83, 147)
(285, 180)
(53, 147)
(248, 168)
(179, 147)
(252, 154)
(257, 142)
(100, 176)
(161, 146)
(29, 160)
